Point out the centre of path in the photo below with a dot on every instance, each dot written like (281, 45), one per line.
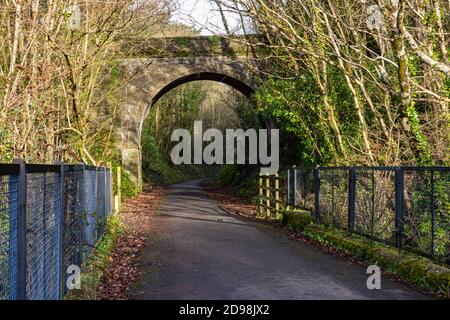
(199, 251)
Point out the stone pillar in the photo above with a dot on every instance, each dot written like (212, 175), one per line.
(130, 145)
(132, 164)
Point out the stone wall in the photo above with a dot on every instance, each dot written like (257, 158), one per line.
(149, 78)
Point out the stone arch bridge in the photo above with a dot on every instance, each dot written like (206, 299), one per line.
(163, 64)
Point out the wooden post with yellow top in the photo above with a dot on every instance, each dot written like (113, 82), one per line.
(277, 196)
(268, 195)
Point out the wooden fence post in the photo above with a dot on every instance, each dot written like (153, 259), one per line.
(277, 196)
(268, 195)
(261, 195)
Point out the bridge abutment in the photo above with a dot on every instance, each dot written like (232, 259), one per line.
(132, 164)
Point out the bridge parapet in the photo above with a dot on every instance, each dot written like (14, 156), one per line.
(191, 46)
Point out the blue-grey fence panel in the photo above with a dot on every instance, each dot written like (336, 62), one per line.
(73, 220)
(43, 210)
(90, 212)
(65, 209)
(9, 204)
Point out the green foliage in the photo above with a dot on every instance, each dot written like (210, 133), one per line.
(128, 188)
(215, 41)
(296, 221)
(6, 151)
(179, 108)
(242, 180)
(227, 175)
(424, 158)
(92, 270)
(156, 167)
(181, 41)
(297, 108)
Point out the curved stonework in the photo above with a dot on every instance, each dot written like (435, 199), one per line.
(150, 78)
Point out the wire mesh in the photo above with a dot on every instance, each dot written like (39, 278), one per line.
(90, 211)
(108, 200)
(375, 204)
(43, 210)
(426, 209)
(407, 207)
(333, 203)
(73, 221)
(9, 200)
(63, 223)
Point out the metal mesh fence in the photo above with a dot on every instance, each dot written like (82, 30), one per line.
(73, 220)
(407, 207)
(90, 214)
(51, 216)
(43, 223)
(108, 195)
(101, 214)
(8, 236)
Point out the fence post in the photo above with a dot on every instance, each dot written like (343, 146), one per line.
(261, 194)
(277, 196)
(288, 187)
(317, 194)
(111, 194)
(22, 230)
(105, 198)
(96, 218)
(372, 216)
(399, 189)
(61, 227)
(84, 213)
(304, 191)
(268, 195)
(351, 198)
(294, 189)
(13, 254)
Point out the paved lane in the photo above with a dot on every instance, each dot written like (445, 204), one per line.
(198, 251)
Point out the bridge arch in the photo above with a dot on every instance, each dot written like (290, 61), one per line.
(151, 78)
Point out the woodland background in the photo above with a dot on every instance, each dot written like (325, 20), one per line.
(348, 82)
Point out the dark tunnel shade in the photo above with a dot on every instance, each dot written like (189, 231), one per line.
(233, 82)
